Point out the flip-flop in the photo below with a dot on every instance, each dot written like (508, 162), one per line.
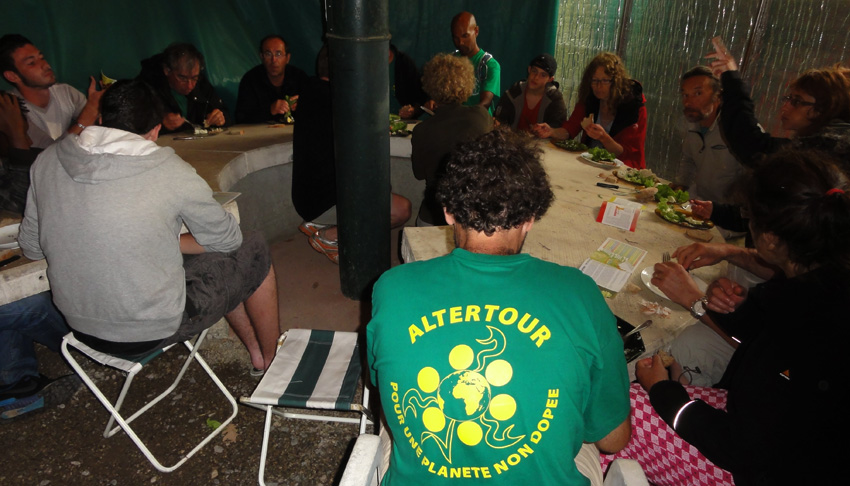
(311, 229)
(327, 247)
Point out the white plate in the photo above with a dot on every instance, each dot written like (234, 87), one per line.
(9, 237)
(646, 276)
(617, 162)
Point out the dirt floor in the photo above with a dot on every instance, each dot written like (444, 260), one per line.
(64, 445)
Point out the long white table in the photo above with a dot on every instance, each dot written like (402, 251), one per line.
(569, 233)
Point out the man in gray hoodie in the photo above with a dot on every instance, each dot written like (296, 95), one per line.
(105, 208)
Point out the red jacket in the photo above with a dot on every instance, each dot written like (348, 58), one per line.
(628, 128)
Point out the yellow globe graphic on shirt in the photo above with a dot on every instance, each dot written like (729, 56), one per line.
(463, 403)
(464, 395)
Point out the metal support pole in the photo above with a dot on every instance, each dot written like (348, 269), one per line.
(358, 40)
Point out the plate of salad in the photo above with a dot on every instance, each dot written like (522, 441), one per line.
(679, 216)
(571, 145)
(602, 157)
(641, 177)
(672, 196)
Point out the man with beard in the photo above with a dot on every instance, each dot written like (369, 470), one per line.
(708, 170)
(54, 108)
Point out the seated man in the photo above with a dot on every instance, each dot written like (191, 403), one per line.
(264, 89)
(54, 108)
(535, 100)
(491, 363)
(106, 208)
(22, 389)
(707, 169)
(448, 80)
(177, 75)
(314, 170)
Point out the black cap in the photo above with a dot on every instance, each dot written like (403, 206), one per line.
(545, 62)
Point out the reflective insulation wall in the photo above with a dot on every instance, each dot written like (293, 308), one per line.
(774, 41)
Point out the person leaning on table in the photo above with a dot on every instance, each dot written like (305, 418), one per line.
(778, 414)
(618, 108)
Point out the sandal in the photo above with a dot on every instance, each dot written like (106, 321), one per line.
(311, 229)
(327, 247)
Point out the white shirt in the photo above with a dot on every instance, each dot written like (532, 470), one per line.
(48, 124)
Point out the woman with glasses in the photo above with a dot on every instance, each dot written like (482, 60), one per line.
(777, 415)
(614, 108)
(815, 113)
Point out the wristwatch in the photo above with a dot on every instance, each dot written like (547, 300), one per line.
(699, 307)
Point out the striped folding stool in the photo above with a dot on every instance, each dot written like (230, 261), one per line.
(312, 369)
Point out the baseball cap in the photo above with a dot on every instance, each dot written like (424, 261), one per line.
(545, 62)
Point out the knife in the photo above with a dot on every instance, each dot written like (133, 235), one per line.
(607, 186)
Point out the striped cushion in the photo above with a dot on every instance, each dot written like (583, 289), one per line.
(312, 369)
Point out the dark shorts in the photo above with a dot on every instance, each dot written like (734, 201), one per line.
(216, 283)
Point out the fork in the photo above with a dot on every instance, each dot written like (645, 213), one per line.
(665, 257)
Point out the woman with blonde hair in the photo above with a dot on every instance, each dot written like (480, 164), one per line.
(449, 81)
(611, 112)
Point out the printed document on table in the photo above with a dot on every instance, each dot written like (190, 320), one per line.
(619, 213)
(612, 263)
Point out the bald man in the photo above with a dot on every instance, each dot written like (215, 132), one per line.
(487, 70)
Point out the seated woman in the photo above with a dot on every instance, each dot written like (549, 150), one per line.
(815, 113)
(775, 416)
(534, 100)
(449, 81)
(614, 107)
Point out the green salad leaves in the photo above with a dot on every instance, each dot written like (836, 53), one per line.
(600, 154)
(572, 145)
(668, 194)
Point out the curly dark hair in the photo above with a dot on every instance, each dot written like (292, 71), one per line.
(495, 182)
(789, 194)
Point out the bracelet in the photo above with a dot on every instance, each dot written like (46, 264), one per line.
(81, 125)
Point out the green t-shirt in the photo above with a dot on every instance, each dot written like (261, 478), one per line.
(491, 83)
(182, 102)
(495, 368)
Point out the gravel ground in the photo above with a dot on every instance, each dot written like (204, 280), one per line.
(64, 445)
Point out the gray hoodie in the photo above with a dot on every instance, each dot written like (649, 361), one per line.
(106, 208)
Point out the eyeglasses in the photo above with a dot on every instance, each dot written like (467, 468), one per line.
(186, 79)
(601, 81)
(795, 101)
(275, 54)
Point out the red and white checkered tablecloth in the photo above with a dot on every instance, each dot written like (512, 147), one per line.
(667, 460)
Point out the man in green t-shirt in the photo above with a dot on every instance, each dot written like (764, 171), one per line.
(490, 363)
(487, 69)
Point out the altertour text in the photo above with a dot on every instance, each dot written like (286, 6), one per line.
(507, 316)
